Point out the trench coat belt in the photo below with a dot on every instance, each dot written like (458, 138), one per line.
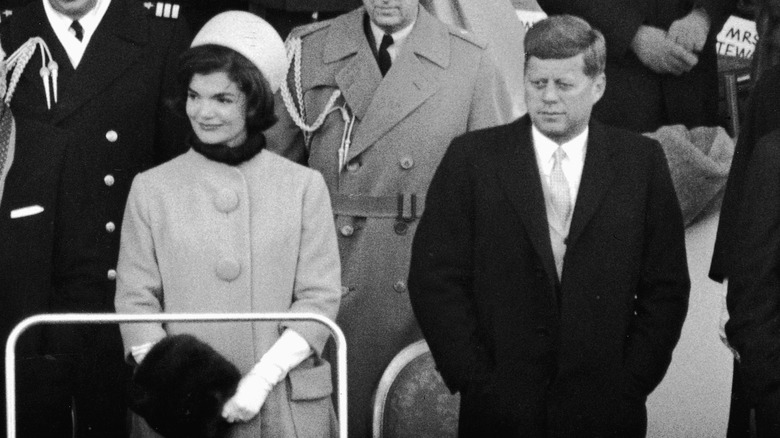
(403, 206)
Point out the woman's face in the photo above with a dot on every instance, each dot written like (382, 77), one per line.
(217, 109)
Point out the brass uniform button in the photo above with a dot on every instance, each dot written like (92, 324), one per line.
(406, 163)
(401, 228)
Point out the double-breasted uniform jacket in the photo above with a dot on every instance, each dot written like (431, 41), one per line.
(441, 84)
(113, 105)
(638, 98)
(38, 207)
(201, 236)
(532, 355)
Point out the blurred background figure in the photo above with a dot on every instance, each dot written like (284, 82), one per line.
(661, 59)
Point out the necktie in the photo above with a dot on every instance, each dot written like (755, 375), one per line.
(78, 31)
(559, 189)
(383, 56)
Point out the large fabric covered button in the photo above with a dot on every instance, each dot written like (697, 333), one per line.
(226, 200)
(228, 269)
(112, 136)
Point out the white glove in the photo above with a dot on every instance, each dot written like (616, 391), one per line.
(139, 352)
(286, 353)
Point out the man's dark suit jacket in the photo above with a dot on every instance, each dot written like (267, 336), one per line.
(638, 98)
(754, 278)
(113, 104)
(533, 356)
(34, 255)
(762, 116)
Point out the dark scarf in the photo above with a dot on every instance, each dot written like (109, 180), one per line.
(232, 156)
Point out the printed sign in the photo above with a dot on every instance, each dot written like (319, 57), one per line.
(738, 38)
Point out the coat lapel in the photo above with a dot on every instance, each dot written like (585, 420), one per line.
(519, 176)
(597, 176)
(407, 85)
(116, 45)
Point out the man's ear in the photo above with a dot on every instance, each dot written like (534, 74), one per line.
(599, 85)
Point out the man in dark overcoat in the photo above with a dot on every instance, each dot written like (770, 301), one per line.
(548, 272)
(114, 62)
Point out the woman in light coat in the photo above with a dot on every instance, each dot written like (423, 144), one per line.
(230, 227)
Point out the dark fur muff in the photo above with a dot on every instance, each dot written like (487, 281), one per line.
(181, 386)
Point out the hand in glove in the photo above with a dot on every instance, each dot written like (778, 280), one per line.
(286, 353)
(661, 54)
(691, 31)
(249, 397)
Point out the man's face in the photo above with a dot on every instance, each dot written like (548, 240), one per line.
(560, 96)
(74, 9)
(392, 15)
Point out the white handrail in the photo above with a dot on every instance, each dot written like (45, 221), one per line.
(112, 318)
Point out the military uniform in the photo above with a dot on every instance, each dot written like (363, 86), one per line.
(39, 196)
(441, 84)
(113, 103)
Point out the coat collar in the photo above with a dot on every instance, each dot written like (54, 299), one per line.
(597, 176)
(520, 178)
(381, 103)
(118, 42)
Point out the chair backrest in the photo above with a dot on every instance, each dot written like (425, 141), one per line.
(412, 400)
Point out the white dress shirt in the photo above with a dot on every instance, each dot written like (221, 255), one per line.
(398, 38)
(60, 23)
(571, 165)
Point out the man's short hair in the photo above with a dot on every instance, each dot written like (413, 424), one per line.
(565, 36)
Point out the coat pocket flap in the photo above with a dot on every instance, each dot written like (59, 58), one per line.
(311, 383)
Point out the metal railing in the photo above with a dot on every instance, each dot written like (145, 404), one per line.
(113, 318)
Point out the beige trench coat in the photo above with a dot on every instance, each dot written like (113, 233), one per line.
(442, 84)
(202, 236)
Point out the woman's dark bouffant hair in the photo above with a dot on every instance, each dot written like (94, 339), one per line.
(211, 58)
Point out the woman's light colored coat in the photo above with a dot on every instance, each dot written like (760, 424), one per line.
(202, 236)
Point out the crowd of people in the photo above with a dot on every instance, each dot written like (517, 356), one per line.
(158, 157)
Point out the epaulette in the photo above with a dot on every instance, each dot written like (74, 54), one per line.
(163, 9)
(468, 37)
(5, 13)
(302, 31)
